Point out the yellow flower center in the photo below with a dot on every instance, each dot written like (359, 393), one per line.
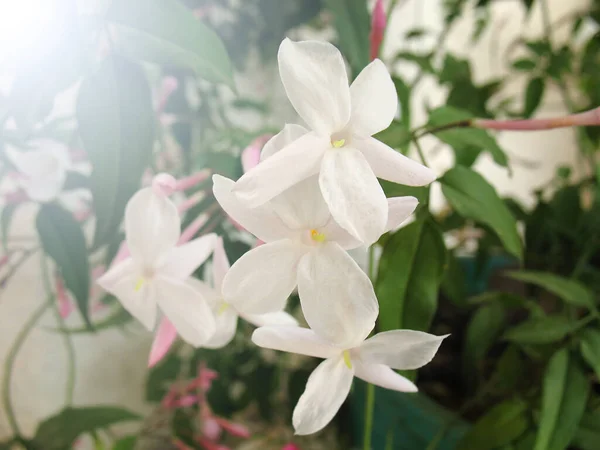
(317, 236)
(139, 283)
(338, 143)
(222, 308)
(347, 360)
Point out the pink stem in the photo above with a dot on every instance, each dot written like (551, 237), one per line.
(192, 180)
(587, 118)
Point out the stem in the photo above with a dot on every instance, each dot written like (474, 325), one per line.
(70, 387)
(420, 150)
(369, 408)
(10, 361)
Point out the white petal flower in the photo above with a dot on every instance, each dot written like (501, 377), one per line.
(329, 384)
(43, 171)
(227, 310)
(305, 246)
(339, 146)
(155, 274)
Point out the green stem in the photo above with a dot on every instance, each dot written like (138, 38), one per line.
(420, 150)
(70, 383)
(369, 408)
(9, 364)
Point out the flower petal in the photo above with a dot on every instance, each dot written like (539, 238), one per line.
(226, 321)
(123, 281)
(401, 349)
(263, 278)
(302, 206)
(326, 390)
(391, 165)
(181, 261)
(301, 341)
(186, 309)
(292, 164)
(285, 137)
(337, 297)
(261, 221)
(333, 232)
(315, 80)
(275, 318)
(399, 209)
(382, 375)
(152, 226)
(353, 194)
(220, 264)
(163, 340)
(374, 100)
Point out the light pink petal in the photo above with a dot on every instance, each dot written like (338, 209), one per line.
(378, 24)
(182, 261)
(220, 264)
(251, 154)
(164, 184)
(164, 339)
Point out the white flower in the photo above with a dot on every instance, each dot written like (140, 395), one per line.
(340, 148)
(371, 360)
(156, 273)
(42, 171)
(227, 312)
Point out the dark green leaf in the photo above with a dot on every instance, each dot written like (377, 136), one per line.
(541, 330)
(509, 371)
(540, 48)
(161, 376)
(183, 429)
(60, 431)
(415, 33)
(400, 190)
(485, 326)
(564, 396)
(63, 240)
(76, 180)
(462, 136)
(167, 33)
(471, 196)
(454, 70)
(352, 22)
(403, 91)
(560, 62)
(8, 211)
(533, 95)
(590, 348)
(127, 443)
(422, 60)
(116, 124)
(397, 136)
(454, 284)
(570, 291)
(410, 272)
(524, 64)
(500, 426)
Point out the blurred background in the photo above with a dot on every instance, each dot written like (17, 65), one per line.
(483, 58)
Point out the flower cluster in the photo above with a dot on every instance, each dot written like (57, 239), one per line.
(313, 195)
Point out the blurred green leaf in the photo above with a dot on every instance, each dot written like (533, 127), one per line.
(161, 376)
(127, 443)
(454, 283)
(167, 33)
(6, 216)
(540, 47)
(564, 397)
(403, 91)
(461, 137)
(501, 425)
(483, 329)
(590, 349)
(415, 33)
(454, 70)
(352, 22)
(560, 62)
(76, 180)
(118, 318)
(410, 272)
(524, 64)
(183, 429)
(541, 330)
(423, 60)
(400, 190)
(60, 431)
(397, 136)
(116, 124)
(511, 368)
(63, 240)
(471, 195)
(533, 95)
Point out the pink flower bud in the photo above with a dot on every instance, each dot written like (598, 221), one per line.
(378, 24)
(290, 446)
(164, 184)
(587, 118)
(164, 339)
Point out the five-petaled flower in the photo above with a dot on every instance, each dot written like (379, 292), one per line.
(340, 148)
(157, 272)
(372, 360)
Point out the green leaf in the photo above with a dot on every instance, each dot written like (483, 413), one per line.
(533, 95)
(590, 348)
(462, 137)
(541, 330)
(161, 376)
(454, 69)
(400, 190)
(116, 124)
(118, 318)
(60, 431)
(397, 136)
(570, 291)
(63, 240)
(352, 22)
(485, 326)
(422, 60)
(500, 426)
(472, 197)
(167, 33)
(410, 272)
(8, 211)
(454, 284)
(127, 443)
(76, 180)
(403, 91)
(564, 397)
(524, 64)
